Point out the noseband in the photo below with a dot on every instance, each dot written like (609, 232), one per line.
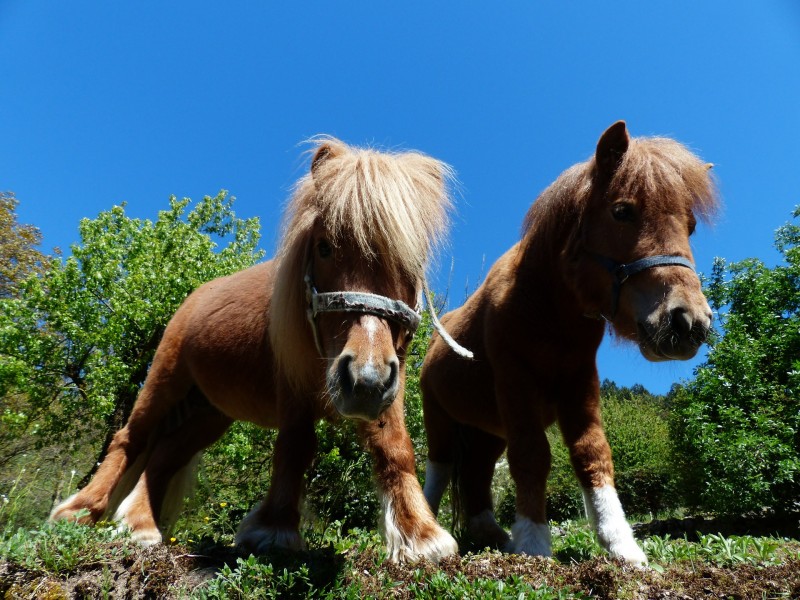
(357, 302)
(620, 272)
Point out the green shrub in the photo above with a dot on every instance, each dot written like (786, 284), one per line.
(737, 424)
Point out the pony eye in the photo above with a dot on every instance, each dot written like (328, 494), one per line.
(324, 249)
(623, 211)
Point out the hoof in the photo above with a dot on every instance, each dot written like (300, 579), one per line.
(263, 539)
(484, 531)
(145, 537)
(256, 538)
(531, 538)
(629, 551)
(70, 510)
(433, 546)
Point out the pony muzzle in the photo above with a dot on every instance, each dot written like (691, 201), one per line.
(363, 390)
(675, 334)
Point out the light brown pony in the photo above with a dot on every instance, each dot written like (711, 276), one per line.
(608, 241)
(319, 331)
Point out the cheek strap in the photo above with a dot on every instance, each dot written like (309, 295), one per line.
(620, 272)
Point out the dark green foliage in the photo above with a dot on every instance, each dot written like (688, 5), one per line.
(636, 425)
(737, 424)
(76, 341)
(75, 346)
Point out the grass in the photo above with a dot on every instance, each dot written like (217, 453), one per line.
(65, 560)
(352, 565)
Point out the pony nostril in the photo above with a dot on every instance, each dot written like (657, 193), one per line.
(393, 370)
(681, 322)
(346, 379)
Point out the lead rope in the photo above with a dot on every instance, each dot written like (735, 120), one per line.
(448, 339)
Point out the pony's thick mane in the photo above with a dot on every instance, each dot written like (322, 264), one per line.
(652, 166)
(394, 207)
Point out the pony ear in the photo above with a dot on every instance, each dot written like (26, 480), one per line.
(325, 151)
(611, 147)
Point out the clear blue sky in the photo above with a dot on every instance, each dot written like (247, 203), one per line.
(105, 102)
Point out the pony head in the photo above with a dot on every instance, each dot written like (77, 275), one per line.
(360, 230)
(645, 198)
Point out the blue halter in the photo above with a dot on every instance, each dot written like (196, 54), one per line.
(620, 272)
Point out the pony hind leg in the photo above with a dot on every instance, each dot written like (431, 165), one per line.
(164, 387)
(153, 505)
(442, 434)
(275, 523)
(478, 452)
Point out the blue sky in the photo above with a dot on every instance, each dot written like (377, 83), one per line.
(108, 102)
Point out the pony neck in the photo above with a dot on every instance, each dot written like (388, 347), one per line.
(546, 273)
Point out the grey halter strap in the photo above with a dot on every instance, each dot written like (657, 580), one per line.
(357, 302)
(620, 272)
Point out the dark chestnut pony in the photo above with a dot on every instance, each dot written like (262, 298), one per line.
(319, 331)
(607, 242)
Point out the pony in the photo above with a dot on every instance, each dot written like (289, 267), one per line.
(320, 331)
(607, 243)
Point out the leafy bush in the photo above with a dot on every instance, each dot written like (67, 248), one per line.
(76, 343)
(737, 424)
(636, 426)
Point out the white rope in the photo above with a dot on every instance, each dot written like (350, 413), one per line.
(454, 345)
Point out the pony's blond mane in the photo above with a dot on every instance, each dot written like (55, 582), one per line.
(651, 166)
(393, 206)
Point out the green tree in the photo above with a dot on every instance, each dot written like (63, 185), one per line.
(76, 343)
(19, 257)
(737, 424)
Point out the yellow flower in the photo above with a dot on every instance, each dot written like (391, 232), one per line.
(223, 504)
(173, 540)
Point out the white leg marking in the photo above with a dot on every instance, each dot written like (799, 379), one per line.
(531, 538)
(437, 478)
(61, 507)
(608, 520)
(146, 537)
(402, 548)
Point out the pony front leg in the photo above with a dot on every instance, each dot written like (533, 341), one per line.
(408, 526)
(275, 523)
(591, 458)
(529, 462)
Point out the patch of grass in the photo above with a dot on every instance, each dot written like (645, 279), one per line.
(63, 546)
(722, 551)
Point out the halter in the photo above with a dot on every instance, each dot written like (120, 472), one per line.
(620, 272)
(356, 302)
(372, 304)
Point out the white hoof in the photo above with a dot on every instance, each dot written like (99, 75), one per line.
(531, 538)
(433, 545)
(145, 537)
(629, 551)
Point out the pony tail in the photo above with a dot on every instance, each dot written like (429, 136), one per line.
(456, 490)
